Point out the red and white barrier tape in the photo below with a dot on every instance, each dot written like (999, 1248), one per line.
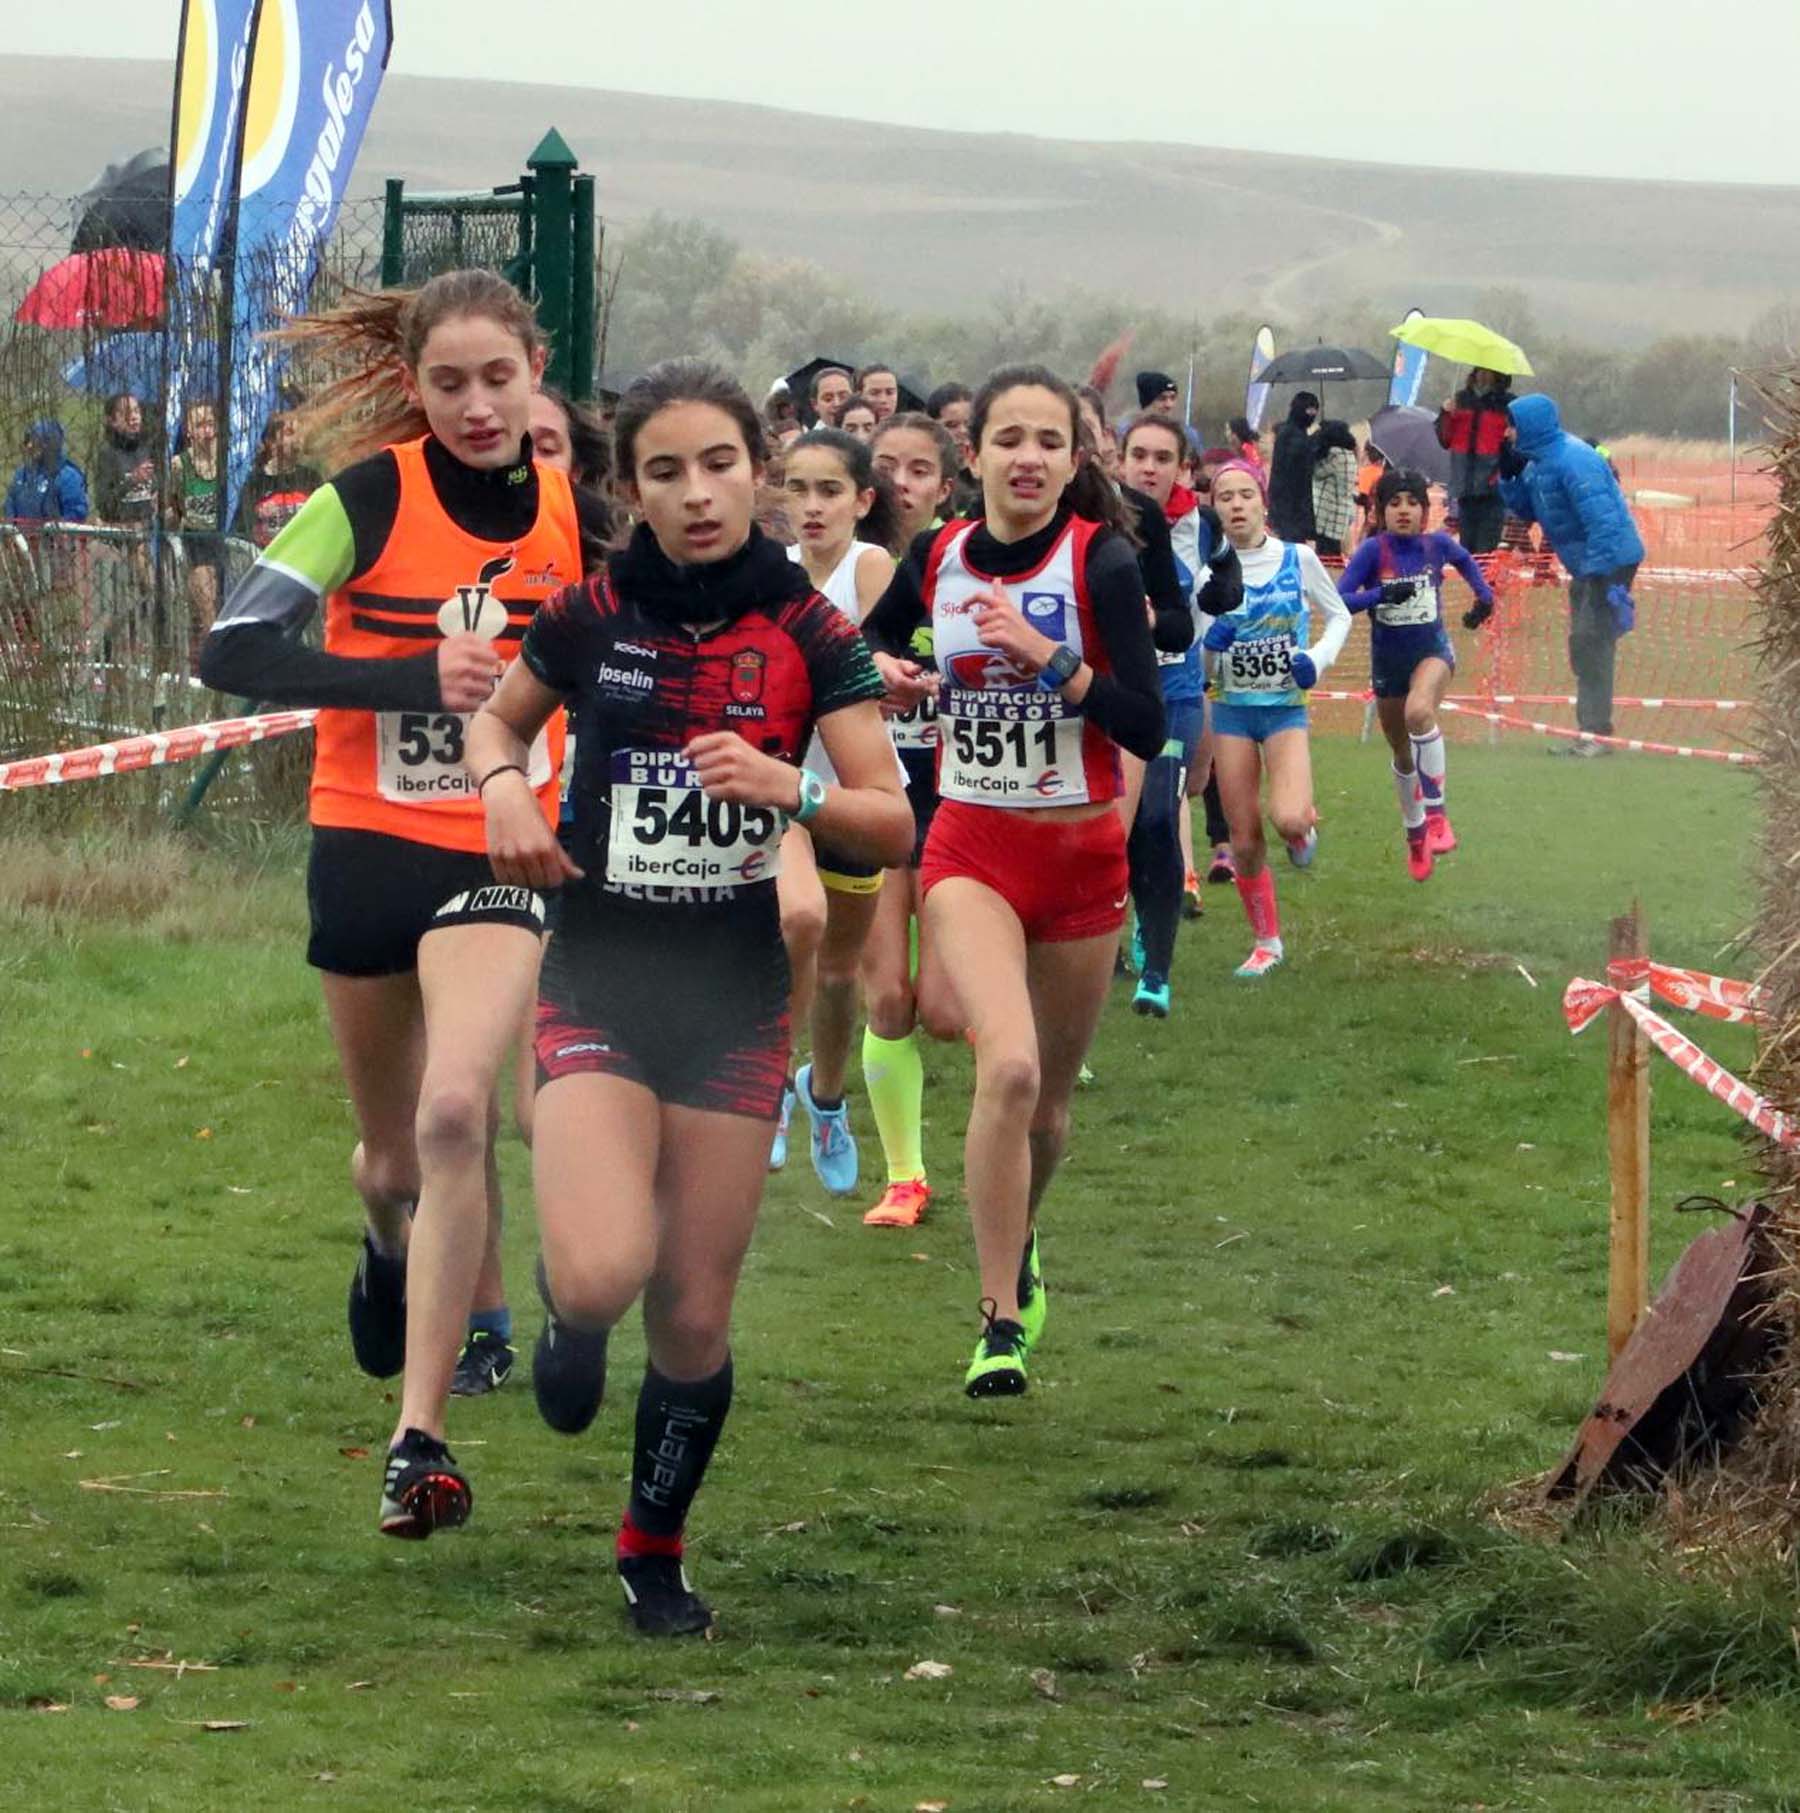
(1638, 745)
(1584, 1001)
(1718, 997)
(152, 750)
(1479, 699)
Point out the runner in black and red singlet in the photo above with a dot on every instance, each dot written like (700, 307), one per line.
(698, 666)
(1045, 671)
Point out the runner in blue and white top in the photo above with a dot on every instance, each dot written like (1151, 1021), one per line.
(1278, 625)
(1397, 576)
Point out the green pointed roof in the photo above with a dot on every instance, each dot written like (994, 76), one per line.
(553, 153)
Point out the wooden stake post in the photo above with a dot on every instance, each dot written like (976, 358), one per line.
(1628, 1139)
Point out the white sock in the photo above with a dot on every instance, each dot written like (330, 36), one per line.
(1412, 805)
(1428, 758)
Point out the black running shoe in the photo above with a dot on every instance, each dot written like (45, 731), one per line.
(378, 1312)
(484, 1365)
(998, 1369)
(423, 1489)
(658, 1596)
(568, 1370)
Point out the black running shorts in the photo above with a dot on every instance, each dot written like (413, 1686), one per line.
(373, 897)
(691, 1004)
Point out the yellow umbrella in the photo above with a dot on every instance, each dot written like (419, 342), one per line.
(1464, 343)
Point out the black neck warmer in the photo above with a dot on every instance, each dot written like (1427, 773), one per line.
(757, 575)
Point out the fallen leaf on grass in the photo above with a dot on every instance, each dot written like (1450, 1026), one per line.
(1065, 1781)
(1566, 1356)
(219, 1724)
(1043, 1681)
(324, 1775)
(357, 1686)
(948, 1611)
(929, 1671)
(49, 1705)
(687, 1696)
(203, 1133)
(923, 1258)
(633, 1725)
(246, 1422)
(1445, 1290)
(931, 1806)
(181, 1063)
(354, 1453)
(121, 1702)
(1154, 1782)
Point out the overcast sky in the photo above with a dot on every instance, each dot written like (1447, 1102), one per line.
(1644, 88)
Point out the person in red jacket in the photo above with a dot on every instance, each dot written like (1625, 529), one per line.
(1473, 426)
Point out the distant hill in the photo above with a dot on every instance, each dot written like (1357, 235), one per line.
(936, 220)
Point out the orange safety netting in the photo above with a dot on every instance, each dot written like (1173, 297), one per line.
(1686, 674)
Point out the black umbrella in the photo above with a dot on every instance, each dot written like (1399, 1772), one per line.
(128, 205)
(1324, 365)
(1408, 438)
(800, 382)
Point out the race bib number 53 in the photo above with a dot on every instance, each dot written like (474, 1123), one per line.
(666, 833)
(419, 757)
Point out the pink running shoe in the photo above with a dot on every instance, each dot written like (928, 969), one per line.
(1438, 833)
(1419, 859)
(1260, 961)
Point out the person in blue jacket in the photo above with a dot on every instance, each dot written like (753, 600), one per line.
(1551, 477)
(49, 487)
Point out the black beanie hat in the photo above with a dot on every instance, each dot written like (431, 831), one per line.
(1151, 385)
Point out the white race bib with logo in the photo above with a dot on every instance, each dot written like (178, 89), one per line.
(917, 727)
(419, 757)
(1410, 613)
(1259, 665)
(666, 833)
(1005, 749)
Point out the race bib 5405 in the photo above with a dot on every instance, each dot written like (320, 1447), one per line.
(666, 833)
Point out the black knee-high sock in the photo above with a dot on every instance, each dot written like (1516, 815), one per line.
(1155, 855)
(678, 1426)
(1217, 831)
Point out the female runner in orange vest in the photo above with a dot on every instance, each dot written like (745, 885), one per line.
(430, 553)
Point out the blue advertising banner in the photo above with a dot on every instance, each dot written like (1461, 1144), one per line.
(1256, 395)
(316, 70)
(211, 75)
(1409, 368)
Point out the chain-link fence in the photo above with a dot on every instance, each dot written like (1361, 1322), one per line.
(113, 554)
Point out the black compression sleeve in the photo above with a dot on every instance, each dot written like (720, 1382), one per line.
(258, 661)
(1126, 703)
(901, 608)
(1174, 629)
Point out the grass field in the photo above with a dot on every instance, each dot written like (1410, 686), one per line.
(1326, 1270)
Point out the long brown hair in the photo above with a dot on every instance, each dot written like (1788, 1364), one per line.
(682, 381)
(375, 338)
(1090, 492)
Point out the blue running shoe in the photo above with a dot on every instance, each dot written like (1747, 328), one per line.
(833, 1145)
(778, 1147)
(1136, 961)
(1152, 996)
(1301, 854)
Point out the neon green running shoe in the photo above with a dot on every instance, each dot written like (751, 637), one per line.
(998, 1368)
(1034, 1305)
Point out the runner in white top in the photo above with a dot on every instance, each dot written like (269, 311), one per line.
(845, 518)
(1267, 646)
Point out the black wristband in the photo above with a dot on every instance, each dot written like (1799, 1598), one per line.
(503, 768)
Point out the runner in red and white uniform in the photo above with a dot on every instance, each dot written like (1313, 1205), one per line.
(698, 665)
(1045, 670)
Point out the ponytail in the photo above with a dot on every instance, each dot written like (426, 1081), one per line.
(380, 337)
(881, 524)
